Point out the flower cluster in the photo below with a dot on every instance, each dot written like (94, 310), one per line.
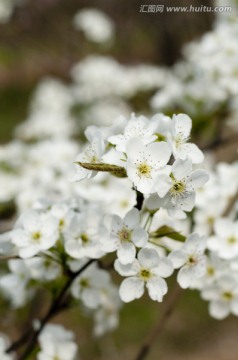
(126, 205)
(143, 150)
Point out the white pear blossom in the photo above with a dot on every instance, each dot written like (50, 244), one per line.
(144, 163)
(225, 240)
(38, 232)
(180, 133)
(179, 188)
(13, 284)
(106, 317)
(223, 297)
(83, 239)
(43, 269)
(89, 286)
(136, 127)
(91, 154)
(190, 259)
(56, 343)
(124, 235)
(63, 214)
(163, 126)
(215, 268)
(148, 270)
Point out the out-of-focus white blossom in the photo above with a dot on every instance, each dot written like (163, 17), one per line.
(4, 343)
(190, 259)
(96, 25)
(37, 232)
(225, 240)
(57, 343)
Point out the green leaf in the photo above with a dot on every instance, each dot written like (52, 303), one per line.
(168, 232)
(115, 170)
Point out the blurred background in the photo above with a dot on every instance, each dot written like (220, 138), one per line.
(65, 64)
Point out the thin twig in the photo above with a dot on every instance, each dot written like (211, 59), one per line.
(9, 257)
(230, 205)
(57, 305)
(168, 310)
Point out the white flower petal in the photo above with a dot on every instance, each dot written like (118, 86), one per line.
(181, 168)
(126, 253)
(219, 309)
(31, 221)
(74, 249)
(131, 289)
(163, 183)
(197, 179)
(191, 151)
(113, 222)
(91, 298)
(185, 277)
(127, 270)
(183, 124)
(223, 227)
(134, 148)
(178, 258)
(159, 154)
(29, 251)
(20, 237)
(148, 258)
(186, 201)
(157, 288)
(132, 218)
(195, 243)
(139, 237)
(165, 268)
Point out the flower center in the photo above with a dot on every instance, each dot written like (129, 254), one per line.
(84, 238)
(124, 234)
(124, 203)
(36, 236)
(210, 220)
(210, 271)
(231, 240)
(94, 159)
(178, 187)
(84, 283)
(227, 295)
(145, 274)
(160, 137)
(61, 224)
(180, 139)
(192, 260)
(144, 170)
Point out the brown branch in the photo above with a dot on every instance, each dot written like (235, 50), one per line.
(31, 335)
(168, 310)
(230, 205)
(9, 257)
